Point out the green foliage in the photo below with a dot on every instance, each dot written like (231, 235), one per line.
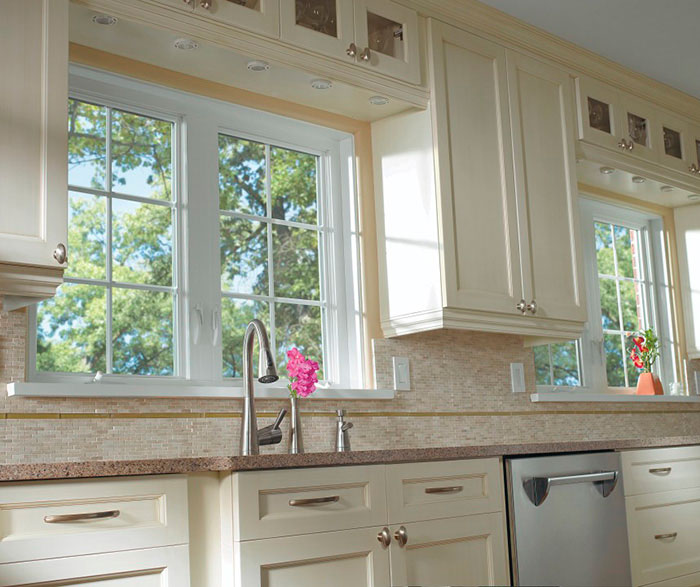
(565, 364)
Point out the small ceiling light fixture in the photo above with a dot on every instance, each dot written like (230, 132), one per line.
(666, 189)
(186, 44)
(607, 170)
(378, 100)
(638, 179)
(257, 66)
(694, 197)
(321, 84)
(104, 19)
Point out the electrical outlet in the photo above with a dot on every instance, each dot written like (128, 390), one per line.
(402, 374)
(517, 377)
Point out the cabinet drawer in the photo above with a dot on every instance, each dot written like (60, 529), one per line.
(68, 518)
(269, 504)
(429, 491)
(663, 533)
(661, 469)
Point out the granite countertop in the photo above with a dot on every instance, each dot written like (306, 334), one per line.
(84, 469)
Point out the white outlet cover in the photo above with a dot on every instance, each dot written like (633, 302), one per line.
(517, 377)
(402, 374)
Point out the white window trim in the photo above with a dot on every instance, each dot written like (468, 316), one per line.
(199, 372)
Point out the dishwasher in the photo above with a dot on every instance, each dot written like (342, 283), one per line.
(567, 521)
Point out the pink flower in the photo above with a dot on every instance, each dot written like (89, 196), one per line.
(302, 374)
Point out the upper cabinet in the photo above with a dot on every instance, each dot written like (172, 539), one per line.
(260, 16)
(495, 158)
(33, 148)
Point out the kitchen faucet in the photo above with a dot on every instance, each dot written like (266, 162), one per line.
(251, 437)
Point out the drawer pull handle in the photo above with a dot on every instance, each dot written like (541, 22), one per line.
(452, 489)
(665, 536)
(63, 518)
(314, 500)
(660, 471)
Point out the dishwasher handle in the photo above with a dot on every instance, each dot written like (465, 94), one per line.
(537, 488)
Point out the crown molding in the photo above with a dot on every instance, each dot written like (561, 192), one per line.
(21, 285)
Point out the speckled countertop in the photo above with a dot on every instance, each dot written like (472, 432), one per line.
(74, 470)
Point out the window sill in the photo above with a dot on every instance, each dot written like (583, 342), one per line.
(583, 396)
(181, 390)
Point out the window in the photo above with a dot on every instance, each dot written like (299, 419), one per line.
(189, 217)
(558, 364)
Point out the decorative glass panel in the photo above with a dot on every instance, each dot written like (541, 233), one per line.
(599, 115)
(252, 4)
(317, 15)
(385, 36)
(672, 143)
(638, 129)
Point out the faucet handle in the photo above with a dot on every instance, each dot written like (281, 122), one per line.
(272, 434)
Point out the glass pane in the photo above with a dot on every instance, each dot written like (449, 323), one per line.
(632, 305)
(627, 247)
(141, 156)
(294, 195)
(243, 246)
(242, 176)
(638, 129)
(142, 332)
(87, 230)
(318, 15)
(604, 249)
(71, 334)
(296, 266)
(608, 304)
(385, 36)
(613, 360)
(142, 243)
(235, 316)
(87, 144)
(299, 326)
(542, 374)
(252, 4)
(672, 143)
(599, 115)
(565, 363)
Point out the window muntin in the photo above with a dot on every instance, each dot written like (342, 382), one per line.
(116, 311)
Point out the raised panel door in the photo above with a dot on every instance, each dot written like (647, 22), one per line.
(260, 16)
(320, 26)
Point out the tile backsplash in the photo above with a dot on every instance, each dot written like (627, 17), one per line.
(460, 395)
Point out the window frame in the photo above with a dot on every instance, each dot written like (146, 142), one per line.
(197, 234)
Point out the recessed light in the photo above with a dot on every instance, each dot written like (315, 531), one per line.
(666, 189)
(257, 66)
(638, 179)
(607, 170)
(694, 197)
(378, 100)
(321, 84)
(104, 19)
(186, 44)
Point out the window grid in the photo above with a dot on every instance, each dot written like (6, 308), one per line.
(551, 360)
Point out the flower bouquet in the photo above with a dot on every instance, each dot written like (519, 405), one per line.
(644, 355)
(303, 377)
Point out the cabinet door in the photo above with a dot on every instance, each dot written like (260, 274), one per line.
(33, 130)
(351, 558)
(321, 26)
(638, 119)
(390, 32)
(674, 137)
(475, 172)
(694, 148)
(260, 16)
(542, 121)
(600, 118)
(469, 550)
(687, 221)
(153, 567)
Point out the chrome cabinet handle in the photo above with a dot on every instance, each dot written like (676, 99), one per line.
(537, 488)
(63, 518)
(60, 253)
(694, 168)
(384, 537)
(532, 307)
(665, 536)
(660, 471)
(366, 54)
(314, 500)
(351, 50)
(206, 4)
(626, 145)
(521, 306)
(451, 489)
(401, 536)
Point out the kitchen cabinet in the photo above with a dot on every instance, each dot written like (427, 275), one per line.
(687, 224)
(492, 166)
(33, 147)
(260, 16)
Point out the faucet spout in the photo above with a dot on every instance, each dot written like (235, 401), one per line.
(250, 437)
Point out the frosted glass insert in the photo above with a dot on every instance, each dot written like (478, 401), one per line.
(672, 143)
(638, 129)
(599, 115)
(318, 15)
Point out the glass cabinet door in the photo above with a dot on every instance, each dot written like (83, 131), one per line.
(637, 120)
(600, 117)
(694, 151)
(387, 38)
(322, 26)
(260, 16)
(675, 142)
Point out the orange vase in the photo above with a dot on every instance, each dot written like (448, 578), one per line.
(647, 384)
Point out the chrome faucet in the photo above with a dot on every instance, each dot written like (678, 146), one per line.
(251, 438)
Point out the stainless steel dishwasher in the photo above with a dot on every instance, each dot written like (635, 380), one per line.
(567, 521)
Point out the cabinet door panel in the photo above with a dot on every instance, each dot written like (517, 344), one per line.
(477, 196)
(638, 121)
(324, 27)
(261, 16)
(600, 117)
(542, 118)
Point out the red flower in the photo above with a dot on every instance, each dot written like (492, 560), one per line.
(635, 358)
(638, 341)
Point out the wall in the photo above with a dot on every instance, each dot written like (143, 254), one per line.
(461, 396)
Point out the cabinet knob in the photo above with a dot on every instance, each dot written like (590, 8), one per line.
(532, 307)
(206, 4)
(694, 168)
(60, 253)
(521, 306)
(384, 537)
(626, 145)
(188, 2)
(351, 50)
(401, 536)
(366, 54)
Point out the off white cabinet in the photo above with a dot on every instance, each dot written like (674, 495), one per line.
(687, 221)
(260, 16)
(476, 200)
(33, 146)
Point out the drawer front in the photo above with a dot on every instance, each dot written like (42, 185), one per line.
(270, 504)
(429, 491)
(661, 469)
(664, 533)
(68, 518)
